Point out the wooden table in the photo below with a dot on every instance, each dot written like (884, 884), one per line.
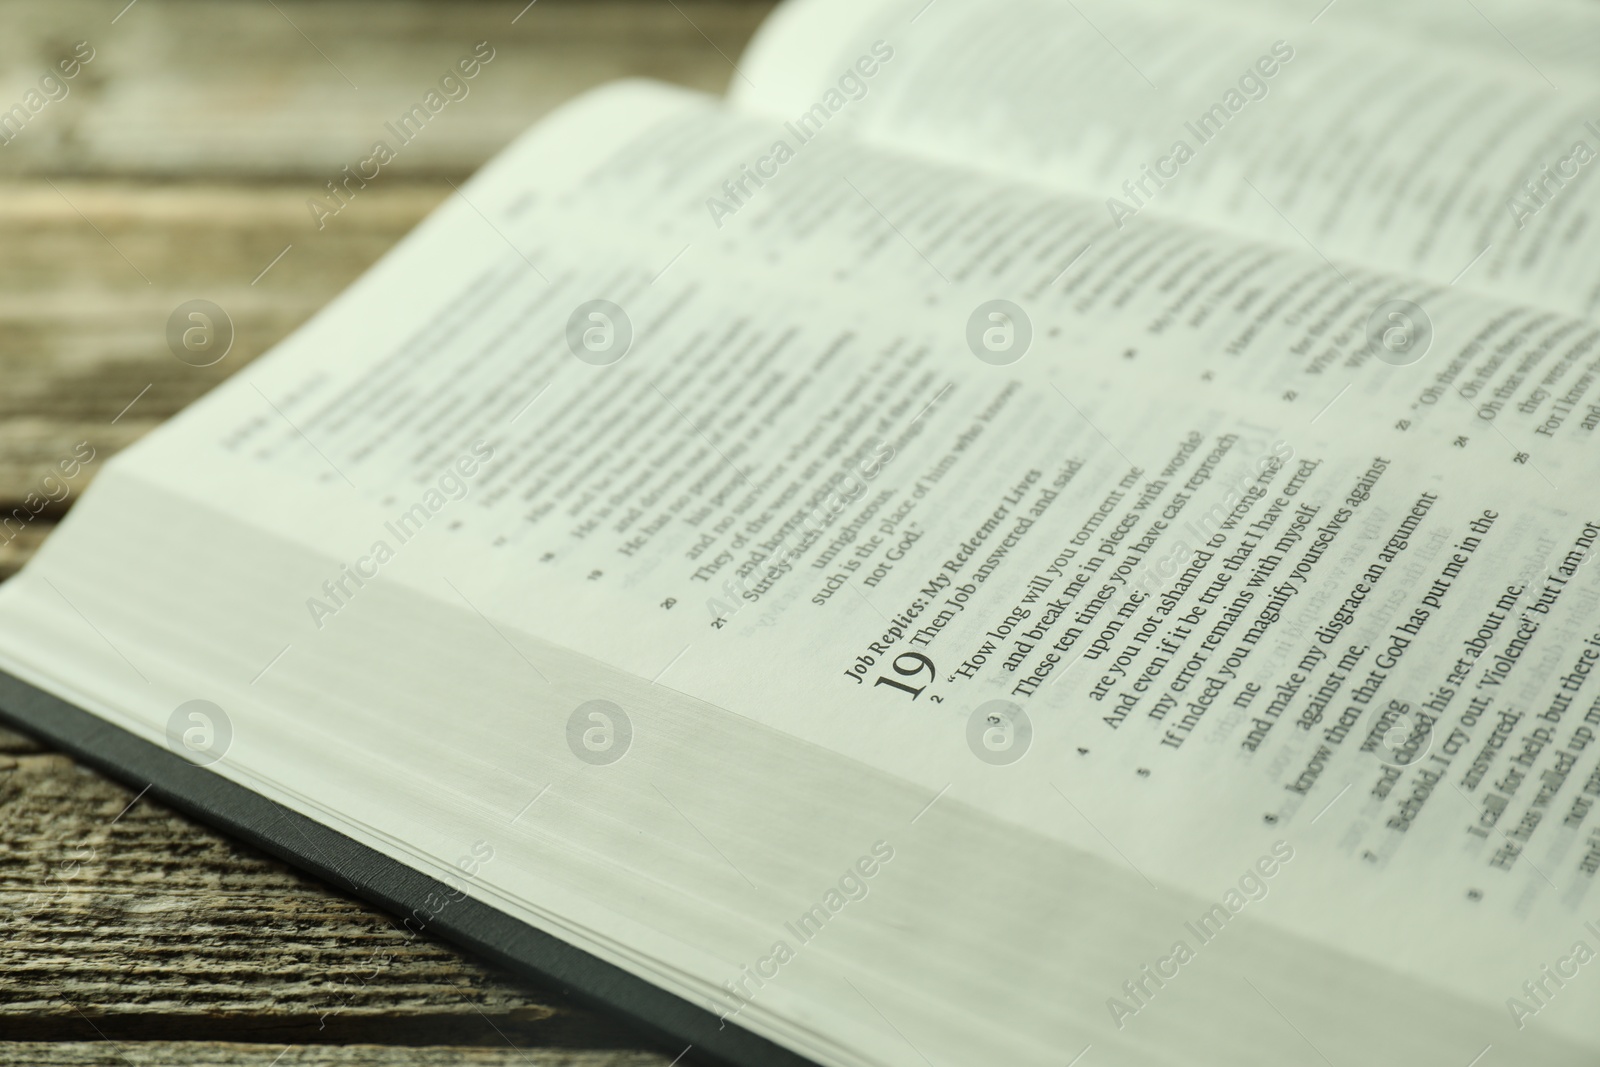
(177, 167)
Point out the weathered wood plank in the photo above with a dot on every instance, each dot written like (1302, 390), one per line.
(114, 909)
(83, 343)
(221, 1054)
(186, 88)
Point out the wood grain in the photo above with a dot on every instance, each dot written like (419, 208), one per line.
(83, 333)
(118, 913)
(191, 89)
(231, 1054)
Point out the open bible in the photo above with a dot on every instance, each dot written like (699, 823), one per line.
(1030, 533)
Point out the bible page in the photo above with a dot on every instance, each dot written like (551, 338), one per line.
(1413, 139)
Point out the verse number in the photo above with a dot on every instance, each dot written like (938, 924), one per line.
(917, 664)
